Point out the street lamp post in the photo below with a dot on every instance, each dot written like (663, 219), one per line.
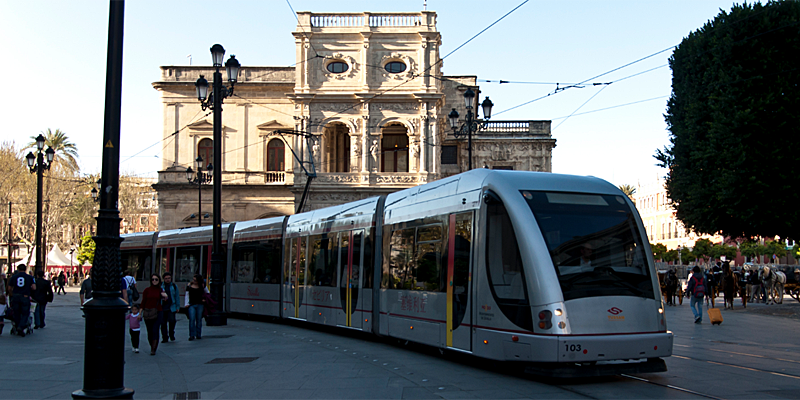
(38, 165)
(215, 104)
(471, 123)
(200, 178)
(104, 335)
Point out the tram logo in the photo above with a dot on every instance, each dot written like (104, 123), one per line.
(486, 308)
(614, 310)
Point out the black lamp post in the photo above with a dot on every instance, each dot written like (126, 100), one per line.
(215, 103)
(38, 165)
(95, 190)
(104, 345)
(471, 123)
(200, 178)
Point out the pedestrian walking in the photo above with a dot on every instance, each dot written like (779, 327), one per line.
(62, 281)
(86, 290)
(3, 301)
(169, 307)
(152, 313)
(130, 286)
(696, 290)
(134, 327)
(195, 302)
(42, 295)
(20, 288)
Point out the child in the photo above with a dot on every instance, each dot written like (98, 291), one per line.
(133, 318)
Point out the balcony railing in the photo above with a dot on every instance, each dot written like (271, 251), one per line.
(372, 20)
(518, 127)
(275, 177)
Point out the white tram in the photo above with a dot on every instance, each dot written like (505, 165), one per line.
(552, 270)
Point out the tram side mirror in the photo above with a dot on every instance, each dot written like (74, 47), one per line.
(490, 197)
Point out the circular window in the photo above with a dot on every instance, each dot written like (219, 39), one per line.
(337, 67)
(395, 67)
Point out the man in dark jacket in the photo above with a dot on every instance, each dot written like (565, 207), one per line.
(42, 295)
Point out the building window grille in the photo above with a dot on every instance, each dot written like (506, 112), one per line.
(449, 155)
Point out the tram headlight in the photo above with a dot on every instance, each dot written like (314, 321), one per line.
(558, 312)
(660, 310)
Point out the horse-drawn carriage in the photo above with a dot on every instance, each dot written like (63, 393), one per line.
(792, 285)
(663, 280)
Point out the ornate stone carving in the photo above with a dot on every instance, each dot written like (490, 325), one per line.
(411, 66)
(397, 179)
(374, 151)
(394, 106)
(337, 107)
(339, 178)
(351, 72)
(335, 197)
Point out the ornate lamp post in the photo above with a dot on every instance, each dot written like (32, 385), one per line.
(471, 123)
(104, 346)
(199, 179)
(38, 165)
(215, 104)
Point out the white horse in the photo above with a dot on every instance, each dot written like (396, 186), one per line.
(774, 282)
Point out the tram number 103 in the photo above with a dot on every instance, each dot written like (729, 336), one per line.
(572, 347)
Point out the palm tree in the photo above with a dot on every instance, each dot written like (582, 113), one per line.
(66, 152)
(629, 190)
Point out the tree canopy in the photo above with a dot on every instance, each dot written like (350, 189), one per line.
(734, 123)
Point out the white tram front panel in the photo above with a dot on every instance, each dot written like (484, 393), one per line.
(567, 273)
(255, 267)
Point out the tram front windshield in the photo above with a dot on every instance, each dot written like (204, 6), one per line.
(594, 243)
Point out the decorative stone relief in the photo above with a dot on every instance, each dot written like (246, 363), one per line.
(335, 197)
(375, 151)
(337, 107)
(351, 72)
(394, 106)
(411, 66)
(397, 179)
(338, 178)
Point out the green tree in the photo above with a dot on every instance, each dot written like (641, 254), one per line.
(671, 255)
(66, 152)
(658, 251)
(719, 250)
(702, 249)
(749, 249)
(774, 247)
(86, 251)
(796, 251)
(733, 120)
(629, 190)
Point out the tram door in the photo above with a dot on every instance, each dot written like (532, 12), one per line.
(294, 278)
(350, 261)
(459, 279)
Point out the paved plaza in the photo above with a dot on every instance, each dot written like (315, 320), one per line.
(750, 355)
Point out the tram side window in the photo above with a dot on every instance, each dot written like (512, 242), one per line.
(368, 260)
(322, 264)
(268, 262)
(187, 263)
(136, 262)
(504, 267)
(401, 259)
(428, 273)
(162, 260)
(244, 262)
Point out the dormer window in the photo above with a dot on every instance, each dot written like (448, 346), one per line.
(395, 67)
(337, 67)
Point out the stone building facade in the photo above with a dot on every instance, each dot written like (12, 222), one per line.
(368, 103)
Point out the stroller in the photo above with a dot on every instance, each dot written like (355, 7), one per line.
(9, 315)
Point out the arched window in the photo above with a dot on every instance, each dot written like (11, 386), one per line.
(394, 149)
(338, 148)
(205, 149)
(275, 155)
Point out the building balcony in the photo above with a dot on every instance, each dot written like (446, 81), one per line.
(272, 178)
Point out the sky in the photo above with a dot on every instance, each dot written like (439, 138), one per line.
(55, 73)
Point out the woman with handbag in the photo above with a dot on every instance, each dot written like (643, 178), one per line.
(194, 301)
(151, 310)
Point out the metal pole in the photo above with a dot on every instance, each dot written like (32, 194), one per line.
(10, 238)
(217, 258)
(469, 138)
(104, 347)
(39, 178)
(199, 200)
